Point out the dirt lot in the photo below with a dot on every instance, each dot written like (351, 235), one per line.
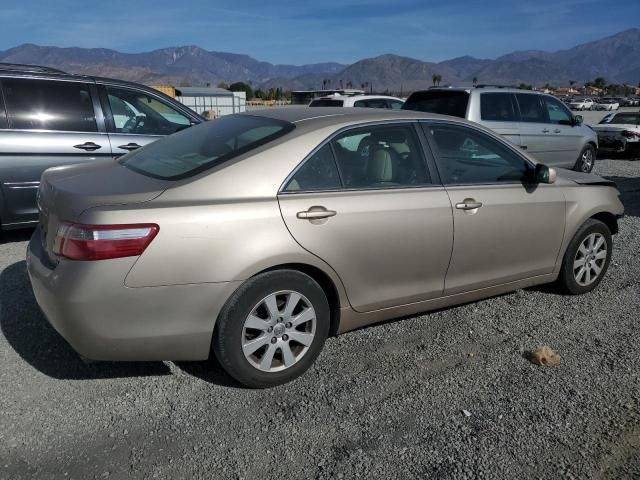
(384, 402)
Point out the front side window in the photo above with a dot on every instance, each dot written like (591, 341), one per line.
(141, 114)
(395, 104)
(204, 146)
(468, 156)
(49, 105)
(380, 156)
(530, 108)
(319, 172)
(557, 112)
(498, 107)
(443, 102)
(371, 103)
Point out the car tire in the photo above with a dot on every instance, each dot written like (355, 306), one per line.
(263, 301)
(585, 264)
(586, 160)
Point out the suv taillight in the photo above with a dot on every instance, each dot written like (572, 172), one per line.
(101, 242)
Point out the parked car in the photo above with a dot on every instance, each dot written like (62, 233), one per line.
(609, 104)
(53, 118)
(258, 235)
(620, 133)
(535, 122)
(365, 101)
(582, 104)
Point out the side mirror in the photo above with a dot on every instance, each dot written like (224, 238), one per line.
(578, 119)
(545, 174)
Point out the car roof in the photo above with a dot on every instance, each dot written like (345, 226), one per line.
(354, 97)
(481, 89)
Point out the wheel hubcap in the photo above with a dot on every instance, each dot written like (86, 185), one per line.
(590, 258)
(587, 161)
(279, 331)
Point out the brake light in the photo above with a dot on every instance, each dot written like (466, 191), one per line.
(630, 134)
(102, 242)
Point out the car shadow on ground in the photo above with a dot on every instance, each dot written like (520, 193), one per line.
(629, 193)
(34, 339)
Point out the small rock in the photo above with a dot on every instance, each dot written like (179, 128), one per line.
(466, 413)
(544, 357)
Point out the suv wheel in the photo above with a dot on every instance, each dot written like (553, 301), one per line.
(586, 160)
(587, 258)
(272, 329)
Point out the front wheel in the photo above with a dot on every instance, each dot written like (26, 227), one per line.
(586, 160)
(272, 328)
(587, 258)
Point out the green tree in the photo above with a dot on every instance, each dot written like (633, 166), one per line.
(242, 87)
(599, 82)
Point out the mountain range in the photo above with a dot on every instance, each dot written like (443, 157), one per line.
(616, 58)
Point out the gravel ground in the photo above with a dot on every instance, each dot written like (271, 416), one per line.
(383, 402)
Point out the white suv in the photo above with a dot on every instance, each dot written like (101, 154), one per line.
(366, 101)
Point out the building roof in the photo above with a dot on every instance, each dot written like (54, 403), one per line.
(203, 92)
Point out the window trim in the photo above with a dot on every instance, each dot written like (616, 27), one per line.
(435, 179)
(514, 106)
(438, 160)
(90, 86)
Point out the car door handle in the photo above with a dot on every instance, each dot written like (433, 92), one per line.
(315, 213)
(89, 146)
(546, 130)
(557, 130)
(523, 147)
(129, 146)
(468, 204)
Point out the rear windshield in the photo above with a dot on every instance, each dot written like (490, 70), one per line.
(443, 102)
(325, 102)
(623, 119)
(204, 146)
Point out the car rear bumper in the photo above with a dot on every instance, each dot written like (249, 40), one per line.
(105, 320)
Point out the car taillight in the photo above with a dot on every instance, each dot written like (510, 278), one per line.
(630, 134)
(101, 242)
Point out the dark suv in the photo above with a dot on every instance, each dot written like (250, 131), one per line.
(49, 118)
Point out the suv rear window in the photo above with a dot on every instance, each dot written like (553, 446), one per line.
(326, 102)
(443, 102)
(204, 146)
(498, 107)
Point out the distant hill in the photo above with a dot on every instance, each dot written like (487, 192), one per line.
(616, 58)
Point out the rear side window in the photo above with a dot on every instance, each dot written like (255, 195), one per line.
(49, 105)
(371, 103)
(325, 102)
(204, 146)
(319, 172)
(443, 102)
(498, 107)
(530, 108)
(623, 119)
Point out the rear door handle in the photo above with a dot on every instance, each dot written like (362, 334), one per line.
(315, 213)
(89, 146)
(468, 204)
(523, 147)
(557, 130)
(546, 130)
(129, 146)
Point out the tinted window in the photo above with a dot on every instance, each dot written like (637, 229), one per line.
(3, 114)
(138, 113)
(371, 103)
(395, 104)
(323, 102)
(204, 146)
(530, 108)
(468, 156)
(557, 112)
(49, 105)
(319, 172)
(380, 156)
(623, 119)
(498, 107)
(444, 102)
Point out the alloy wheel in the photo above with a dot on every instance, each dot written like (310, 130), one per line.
(590, 259)
(586, 161)
(279, 331)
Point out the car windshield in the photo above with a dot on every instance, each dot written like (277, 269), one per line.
(443, 102)
(623, 119)
(326, 102)
(204, 146)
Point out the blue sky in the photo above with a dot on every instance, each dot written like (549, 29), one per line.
(298, 31)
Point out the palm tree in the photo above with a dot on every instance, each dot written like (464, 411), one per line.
(434, 79)
(475, 81)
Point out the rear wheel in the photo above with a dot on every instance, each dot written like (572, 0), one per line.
(586, 160)
(272, 329)
(587, 258)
